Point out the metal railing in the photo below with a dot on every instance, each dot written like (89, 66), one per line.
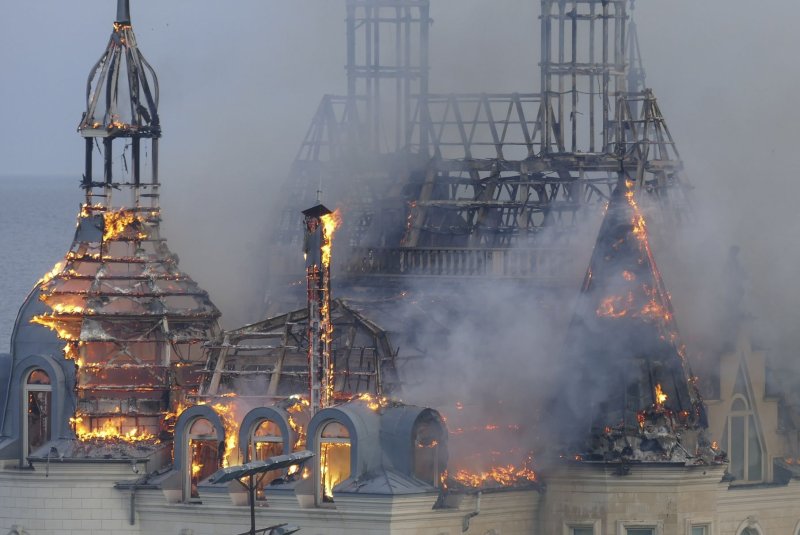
(458, 262)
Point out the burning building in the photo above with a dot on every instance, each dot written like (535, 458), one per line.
(116, 319)
(624, 320)
(129, 410)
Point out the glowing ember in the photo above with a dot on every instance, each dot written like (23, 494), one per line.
(196, 467)
(614, 306)
(375, 403)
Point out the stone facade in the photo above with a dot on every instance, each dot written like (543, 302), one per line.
(81, 499)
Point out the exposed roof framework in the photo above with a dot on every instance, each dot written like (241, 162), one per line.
(271, 357)
(488, 172)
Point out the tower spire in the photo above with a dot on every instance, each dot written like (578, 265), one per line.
(123, 11)
(121, 103)
(626, 362)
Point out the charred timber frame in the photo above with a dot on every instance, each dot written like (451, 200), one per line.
(488, 172)
(274, 352)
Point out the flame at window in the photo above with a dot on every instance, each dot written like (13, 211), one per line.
(334, 466)
(334, 458)
(267, 442)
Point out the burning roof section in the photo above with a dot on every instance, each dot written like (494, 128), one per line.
(271, 357)
(132, 323)
(629, 374)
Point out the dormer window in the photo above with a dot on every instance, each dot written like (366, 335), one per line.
(428, 463)
(266, 442)
(203, 453)
(38, 400)
(334, 460)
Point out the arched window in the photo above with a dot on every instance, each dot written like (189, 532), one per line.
(266, 442)
(744, 444)
(202, 451)
(751, 530)
(428, 464)
(334, 459)
(37, 395)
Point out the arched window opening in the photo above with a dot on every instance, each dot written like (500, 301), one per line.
(428, 449)
(266, 442)
(750, 531)
(744, 445)
(202, 448)
(38, 377)
(334, 459)
(38, 398)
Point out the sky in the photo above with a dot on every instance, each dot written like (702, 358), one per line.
(240, 81)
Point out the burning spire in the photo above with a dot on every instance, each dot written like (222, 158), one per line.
(129, 320)
(627, 363)
(320, 224)
(121, 103)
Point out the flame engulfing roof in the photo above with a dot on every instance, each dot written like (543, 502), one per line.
(129, 319)
(624, 356)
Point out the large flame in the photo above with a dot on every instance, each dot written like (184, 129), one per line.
(111, 429)
(116, 222)
(507, 475)
(330, 222)
(660, 396)
(227, 413)
(334, 465)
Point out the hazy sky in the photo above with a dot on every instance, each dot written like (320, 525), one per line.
(241, 79)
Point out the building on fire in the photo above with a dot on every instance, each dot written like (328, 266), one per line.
(126, 408)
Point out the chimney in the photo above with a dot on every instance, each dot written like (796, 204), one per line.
(319, 224)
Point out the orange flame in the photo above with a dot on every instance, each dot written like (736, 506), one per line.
(661, 397)
(116, 222)
(374, 403)
(50, 275)
(227, 413)
(503, 475)
(614, 306)
(334, 465)
(110, 429)
(330, 222)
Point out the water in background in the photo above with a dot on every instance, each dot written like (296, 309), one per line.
(37, 224)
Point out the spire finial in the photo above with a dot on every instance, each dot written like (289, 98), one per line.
(124, 11)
